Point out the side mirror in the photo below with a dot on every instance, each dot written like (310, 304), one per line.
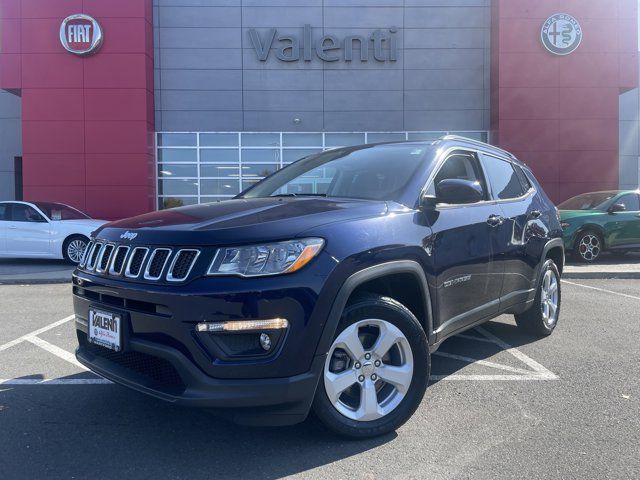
(458, 191)
(428, 202)
(617, 207)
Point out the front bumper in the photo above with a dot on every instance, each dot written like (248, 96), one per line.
(165, 357)
(165, 373)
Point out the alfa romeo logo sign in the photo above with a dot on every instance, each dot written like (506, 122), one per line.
(561, 34)
(80, 34)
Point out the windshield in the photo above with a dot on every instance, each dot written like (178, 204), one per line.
(588, 201)
(59, 211)
(376, 173)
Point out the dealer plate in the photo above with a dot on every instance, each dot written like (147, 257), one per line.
(105, 329)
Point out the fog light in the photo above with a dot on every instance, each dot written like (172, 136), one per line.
(243, 325)
(265, 341)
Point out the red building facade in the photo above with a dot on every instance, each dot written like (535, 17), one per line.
(88, 121)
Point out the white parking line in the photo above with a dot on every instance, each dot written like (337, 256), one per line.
(626, 295)
(35, 332)
(486, 363)
(535, 371)
(57, 351)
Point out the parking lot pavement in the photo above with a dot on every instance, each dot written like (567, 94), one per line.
(501, 405)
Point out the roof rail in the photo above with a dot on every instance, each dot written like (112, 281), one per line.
(479, 143)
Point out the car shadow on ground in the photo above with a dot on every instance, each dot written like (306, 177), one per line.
(109, 431)
(473, 346)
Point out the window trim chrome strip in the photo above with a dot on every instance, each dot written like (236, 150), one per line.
(127, 271)
(146, 275)
(170, 277)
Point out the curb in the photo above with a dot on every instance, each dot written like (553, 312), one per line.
(34, 281)
(601, 275)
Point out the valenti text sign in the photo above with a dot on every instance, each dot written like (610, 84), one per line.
(289, 47)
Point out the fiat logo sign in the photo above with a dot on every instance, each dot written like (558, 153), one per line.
(80, 34)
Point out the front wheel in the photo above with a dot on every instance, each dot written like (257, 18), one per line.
(542, 317)
(73, 248)
(376, 371)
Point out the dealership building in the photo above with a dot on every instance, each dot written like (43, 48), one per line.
(119, 107)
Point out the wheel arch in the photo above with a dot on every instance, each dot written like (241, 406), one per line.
(590, 227)
(67, 238)
(376, 276)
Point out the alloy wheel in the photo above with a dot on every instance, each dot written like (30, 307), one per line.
(589, 247)
(368, 370)
(549, 298)
(75, 250)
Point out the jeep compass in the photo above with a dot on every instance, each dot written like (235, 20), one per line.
(325, 287)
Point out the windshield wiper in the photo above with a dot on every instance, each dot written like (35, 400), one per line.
(300, 195)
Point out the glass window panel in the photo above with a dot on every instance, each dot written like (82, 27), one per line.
(177, 155)
(218, 139)
(172, 202)
(221, 170)
(503, 179)
(260, 139)
(297, 153)
(178, 187)
(219, 155)
(229, 186)
(385, 137)
(343, 139)
(259, 169)
(426, 136)
(177, 140)
(302, 139)
(177, 170)
(261, 155)
(248, 183)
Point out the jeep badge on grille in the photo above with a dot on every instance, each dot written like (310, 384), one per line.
(128, 235)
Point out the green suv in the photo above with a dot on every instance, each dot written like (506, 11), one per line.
(599, 221)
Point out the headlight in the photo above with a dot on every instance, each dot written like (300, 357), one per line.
(266, 259)
(565, 225)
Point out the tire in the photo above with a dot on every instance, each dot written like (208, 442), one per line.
(541, 319)
(589, 246)
(71, 248)
(407, 360)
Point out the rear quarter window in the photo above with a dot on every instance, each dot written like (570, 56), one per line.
(4, 212)
(504, 181)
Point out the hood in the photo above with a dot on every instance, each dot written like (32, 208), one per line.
(569, 214)
(88, 223)
(238, 221)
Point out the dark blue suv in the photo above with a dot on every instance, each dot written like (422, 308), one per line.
(323, 287)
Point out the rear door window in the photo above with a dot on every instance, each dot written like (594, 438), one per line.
(505, 183)
(24, 213)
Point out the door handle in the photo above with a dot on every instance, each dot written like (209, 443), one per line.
(535, 213)
(13, 227)
(495, 220)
